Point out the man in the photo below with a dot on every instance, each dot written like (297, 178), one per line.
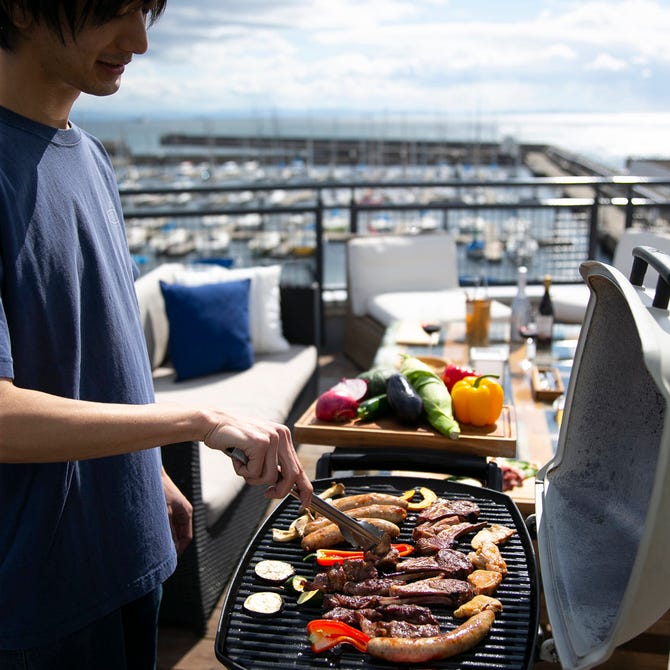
(85, 541)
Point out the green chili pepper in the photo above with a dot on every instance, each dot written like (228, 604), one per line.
(373, 408)
(435, 396)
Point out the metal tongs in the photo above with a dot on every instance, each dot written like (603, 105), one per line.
(357, 533)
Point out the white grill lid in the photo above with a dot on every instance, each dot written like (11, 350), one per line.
(602, 501)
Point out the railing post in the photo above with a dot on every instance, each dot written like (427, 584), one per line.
(320, 263)
(593, 224)
(629, 207)
(353, 213)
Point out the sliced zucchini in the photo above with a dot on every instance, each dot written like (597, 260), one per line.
(310, 597)
(296, 583)
(275, 572)
(263, 603)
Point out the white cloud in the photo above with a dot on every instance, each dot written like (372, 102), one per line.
(607, 62)
(400, 54)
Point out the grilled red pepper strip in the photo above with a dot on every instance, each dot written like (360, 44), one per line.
(332, 556)
(325, 634)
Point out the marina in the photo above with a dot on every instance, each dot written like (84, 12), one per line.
(498, 221)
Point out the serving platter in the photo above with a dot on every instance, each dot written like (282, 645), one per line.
(496, 440)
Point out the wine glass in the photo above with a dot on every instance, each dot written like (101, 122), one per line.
(432, 329)
(529, 333)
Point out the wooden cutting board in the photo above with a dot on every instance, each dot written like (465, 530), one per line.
(496, 440)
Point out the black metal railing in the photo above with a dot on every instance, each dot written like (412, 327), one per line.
(556, 222)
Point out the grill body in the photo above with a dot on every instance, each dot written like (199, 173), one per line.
(244, 642)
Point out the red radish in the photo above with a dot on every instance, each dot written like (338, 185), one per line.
(356, 388)
(341, 401)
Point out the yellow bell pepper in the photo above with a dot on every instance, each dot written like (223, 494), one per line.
(477, 400)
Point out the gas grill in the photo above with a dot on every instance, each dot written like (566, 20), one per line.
(601, 508)
(280, 641)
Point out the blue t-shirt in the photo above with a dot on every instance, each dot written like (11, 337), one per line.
(77, 539)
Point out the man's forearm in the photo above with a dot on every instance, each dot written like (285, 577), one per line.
(37, 427)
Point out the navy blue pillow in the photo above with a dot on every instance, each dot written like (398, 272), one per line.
(209, 327)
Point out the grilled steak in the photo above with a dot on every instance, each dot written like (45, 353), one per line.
(333, 600)
(398, 628)
(446, 563)
(415, 614)
(368, 587)
(449, 592)
(446, 538)
(431, 528)
(465, 509)
(340, 574)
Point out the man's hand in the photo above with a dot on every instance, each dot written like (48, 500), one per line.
(271, 457)
(180, 513)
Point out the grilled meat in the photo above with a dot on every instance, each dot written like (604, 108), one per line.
(339, 575)
(488, 557)
(422, 650)
(478, 604)
(333, 600)
(449, 592)
(494, 533)
(416, 614)
(465, 509)
(398, 628)
(446, 563)
(445, 538)
(368, 587)
(432, 528)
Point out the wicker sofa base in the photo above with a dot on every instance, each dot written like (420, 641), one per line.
(191, 593)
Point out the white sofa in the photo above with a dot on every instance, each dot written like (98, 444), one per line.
(394, 277)
(284, 330)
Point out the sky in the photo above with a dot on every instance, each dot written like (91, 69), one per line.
(456, 57)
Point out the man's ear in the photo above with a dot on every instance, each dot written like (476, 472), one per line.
(20, 18)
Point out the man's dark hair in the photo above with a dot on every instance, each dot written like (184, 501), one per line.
(71, 15)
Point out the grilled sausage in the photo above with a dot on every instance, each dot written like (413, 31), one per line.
(365, 499)
(414, 650)
(330, 535)
(394, 513)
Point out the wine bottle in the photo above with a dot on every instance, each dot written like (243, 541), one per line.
(545, 317)
(521, 311)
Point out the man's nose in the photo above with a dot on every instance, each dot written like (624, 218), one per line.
(134, 36)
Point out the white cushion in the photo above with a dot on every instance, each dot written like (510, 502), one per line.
(380, 264)
(264, 303)
(569, 301)
(445, 306)
(219, 483)
(152, 310)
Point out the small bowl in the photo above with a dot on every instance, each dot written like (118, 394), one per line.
(435, 363)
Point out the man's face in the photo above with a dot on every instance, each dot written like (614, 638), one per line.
(93, 62)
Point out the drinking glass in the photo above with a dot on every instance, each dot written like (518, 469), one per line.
(432, 329)
(477, 321)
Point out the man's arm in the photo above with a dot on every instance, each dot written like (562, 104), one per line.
(37, 427)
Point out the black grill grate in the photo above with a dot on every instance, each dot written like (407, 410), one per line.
(244, 642)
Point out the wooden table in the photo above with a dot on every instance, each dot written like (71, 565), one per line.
(527, 429)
